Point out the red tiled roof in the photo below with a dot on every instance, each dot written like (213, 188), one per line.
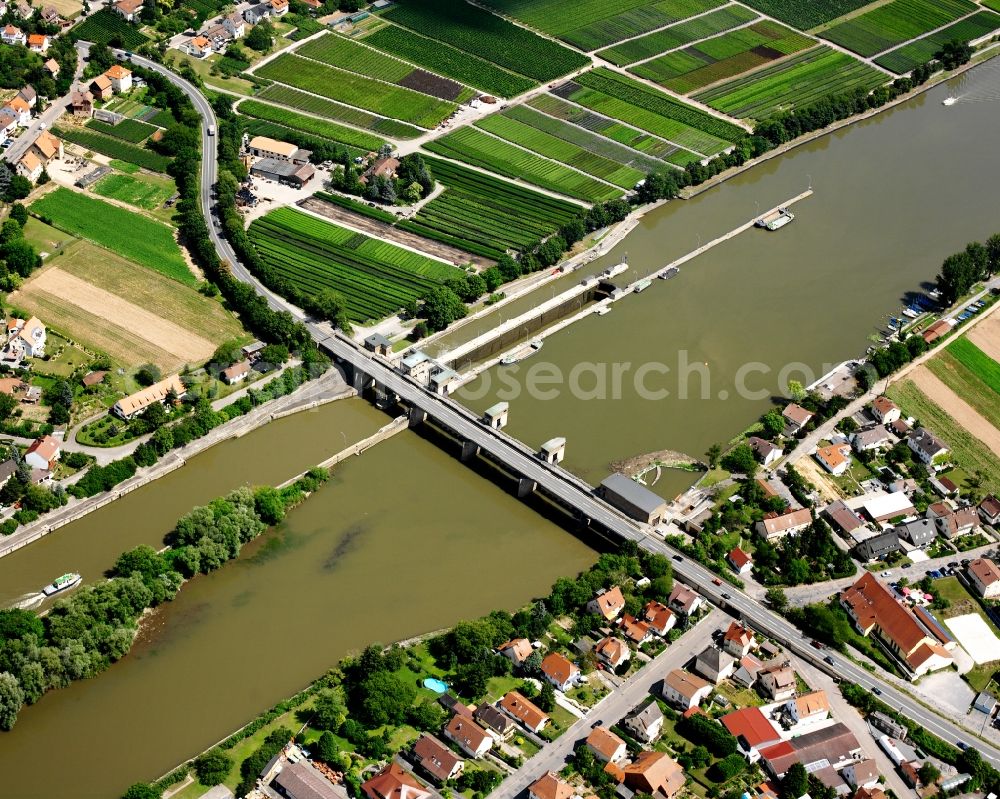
(751, 725)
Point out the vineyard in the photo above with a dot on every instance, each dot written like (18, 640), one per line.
(911, 55)
(293, 98)
(487, 36)
(130, 130)
(373, 277)
(480, 149)
(678, 35)
(797, 81)
(900, 20)
(106, 25)
(446, 60)
(485, 215)
(725, 56)
(115, 148)
(357, 90)
(805, 14)
(310, 125)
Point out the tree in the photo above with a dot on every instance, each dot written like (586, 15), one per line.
(386, 698)
(442, 307)
(147, 374)
(213, 767)
(11, 699)
(773, 423)
(741, 459)
(546, 699)
(7, 405)
(954, 53)
(330, 305)
(329, 711)
(795, 783)
(260, 37)
(327, 749)
(776, 599)
(19, 214)
(928, 773)
(269, 504)
(20, 257)
(142, 790)
(713, 453)
(796, 390)
(18, 188)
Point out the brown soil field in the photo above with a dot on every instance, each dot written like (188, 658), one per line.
(956, 407)
(986, 336)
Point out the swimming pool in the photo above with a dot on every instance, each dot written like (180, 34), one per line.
(436, 685)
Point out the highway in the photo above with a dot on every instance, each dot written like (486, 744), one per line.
(555, 481)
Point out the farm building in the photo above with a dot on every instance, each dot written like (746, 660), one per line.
(297, 175)
(265, 147)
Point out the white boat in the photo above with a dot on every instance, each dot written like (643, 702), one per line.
(776, 219)
(642, 285)
(64, 583)
(604, 310)
(524, 352)
(910, 313)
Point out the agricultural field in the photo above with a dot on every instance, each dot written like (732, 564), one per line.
(596, 23)
(972, 375)
(448, 61)
(487, 152)
(806, 14)
(678, 35)
(374, 278)
(725, 56)
(293, 98)
(918, 52)
(634, 103)
(310, 125)
(545, 144)
(114, 148)
(886, 26)
(130, 130)
(132, 236)
(338, 84)
(106, 25)
(487, 36)
(794, 82)
(144, 192)
(485, 215)
(346, 54)
(994, 4)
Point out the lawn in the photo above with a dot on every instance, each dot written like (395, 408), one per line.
(888, 25)
(203, 68)
(146, 192)
(972, 375)
(132, 236)
(962, 602)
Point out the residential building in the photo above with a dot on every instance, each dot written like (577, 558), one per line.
(52, 67)
(635, 631)
(765, 451)
(236, 373)
(919, 532)
(877, 547)
(198, 46)
(683, 600)
(685, 690)
(814, 706)
(129, 9)
(645, 721)
(500, 725)
(384, 167)
(835, 458)
(738, 640)
(21, 110)
(796, 417)
(607, 603)
(131, 406)
(302, 780)
(777, 682)
(11, 34)
(989, 511)
(714, 664)
(394, 782)
(517, 650)
(470, 737)
(520, 709)
(613, 651)
(279, 7)
(120, 77)
(888, 506)
(885, 410)
(655, 773)
(101, 87)
(843, 519)
(606, 746)
(25, 340)
(43, 453)
(775, 526)
(235, 25)
(926, 446)
(257, 13)
(984, 576)
(634, 500)
(874, 610)
(29, 95)
(659, 617)
(8, 123)
(436, 759)
(81, 102)
(959, 522)
(752, 730)
(550, 786)
(30, 167)
(747, 670)
(7, 470)
(740, 561)
(871, 439)
(38, 42)
(560, 671)
(862, 773)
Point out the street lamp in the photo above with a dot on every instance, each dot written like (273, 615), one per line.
(809, 178)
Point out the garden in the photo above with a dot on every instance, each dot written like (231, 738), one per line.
(114, 148)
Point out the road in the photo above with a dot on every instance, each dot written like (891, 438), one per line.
(565, 488)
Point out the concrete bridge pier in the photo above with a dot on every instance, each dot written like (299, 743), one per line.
(525, 486)
(416, 416)
(360, 381)
(469, 450)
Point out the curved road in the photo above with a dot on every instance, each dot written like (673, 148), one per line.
(557, 482)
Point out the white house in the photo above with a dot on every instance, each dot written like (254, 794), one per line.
(11, 34)
(25, 339)
(926, 445)
(685, 690)
(835, 458)
(606, 746)
(121, 79)
(560, 671)
(129, 9)
(43, 453)
(235, 25)
(885, 410)
(985, 577)
(470, 737)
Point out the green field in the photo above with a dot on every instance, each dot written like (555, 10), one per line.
(994, 4)
(911, 55)
(130, 235)
(678, 35)
(448, 61)
(374, 278)
(805, 14)
(480, 149)
(792, 83)
(972, 375)
(724, 56)
(311, 125)
(105, 25)
(338, 84)
(115, 148)
(131, 130)
(143, 192)
(968, 451)
(293, 98)
(888, 25)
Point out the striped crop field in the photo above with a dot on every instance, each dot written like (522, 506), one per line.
(488, 152)
(592, 24)
(725, 56)
(805, 14)
(357, 90)
(886, 26)
(115, 148)
(549, 146)
(678, 35)
(794, 82)
(293, 98)
(486, 215)
(374, 278)
(131, 130)
(311, 125)
(918, 52)
(448, 61)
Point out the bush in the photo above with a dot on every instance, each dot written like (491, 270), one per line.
(213, 767)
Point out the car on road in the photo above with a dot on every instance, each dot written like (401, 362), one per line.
(876, 690)
(828, 660)
(816, 644)
(596, 724)
(962, 744)
(716, 581)
(725, 595)
(907, 565)
(678, 558)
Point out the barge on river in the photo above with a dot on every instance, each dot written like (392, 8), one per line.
(524, 352)
(775, 219)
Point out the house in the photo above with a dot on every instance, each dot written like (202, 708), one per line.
(297, 780)
(900, 428)
(394, 782)
(257, 13)
(436, 759)
(873, 438)
(683, 600)
(752, 730)
(38, 42)
(984, 702)
(236, 373)
(501, 725)
(51, 15)
(52, 67)
(607, 603)
(520, 709)
(843, 519)
(885, 410)
(129, 9)
(740, 561)
(613, 651)
(888, 506)
(919, 532)
(12, 386)
(714, 664)
(549, 786)
(685, 690)
(29, 95)
(738, 640)
(453, 704)
(935, 331)
(926, 446)
(25, 340)
(134, 404)
(777, 682)
(796, 417)
(985, 578)
(655, 773)
(120, 77)
(95, 378)
(835, 458)
(747, 671)
(834, 744)
(989, 511)
(517, 650)
(235, 25)
(7, 470)
(765, 451)
(862, 773)
(219, 36)
(21, 110)
(606, 746)
(814, 706)
(81, 102)
(659, 617)
(637, 632)
(8, 123)
(943, 485)
(43, 453)
(384, 167)
(198, 46)
(878, 546)
(875, 611)
(645, 721)
(279, 7)
(470, 737)
(960, 522)
(634, 500)
(777, 525)
(11, 34)
(559, 671)
(101, 87)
